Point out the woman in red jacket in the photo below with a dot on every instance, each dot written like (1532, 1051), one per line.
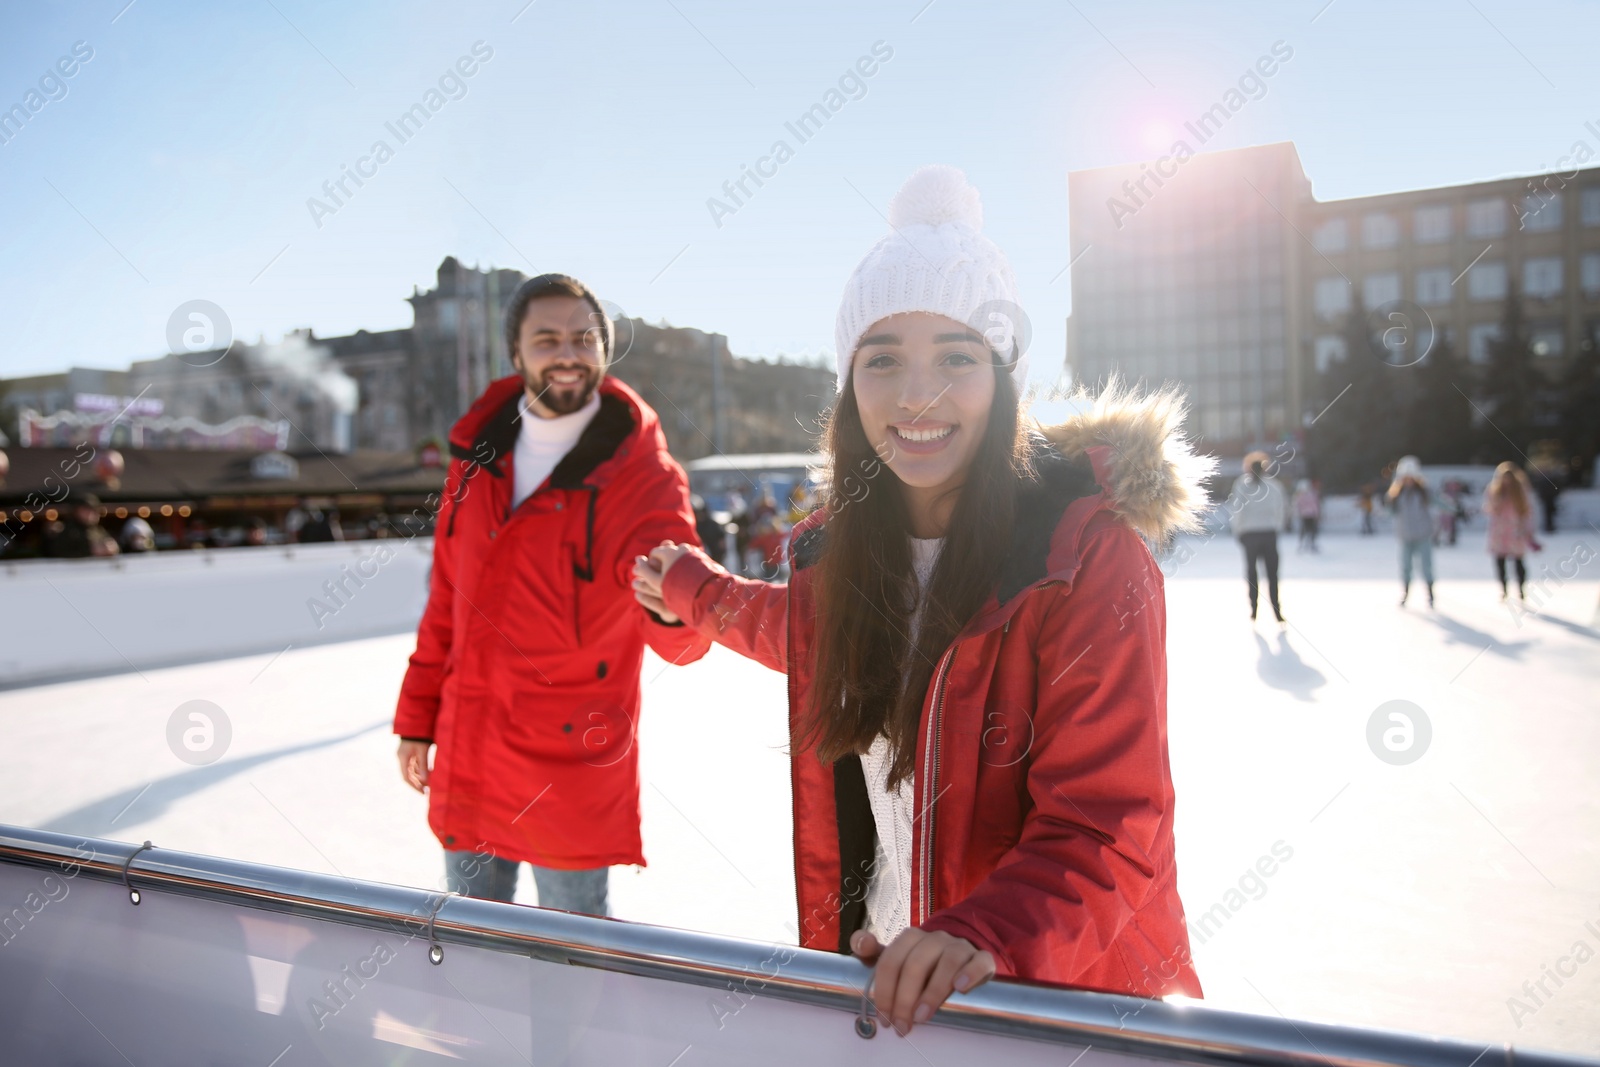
(974, 635)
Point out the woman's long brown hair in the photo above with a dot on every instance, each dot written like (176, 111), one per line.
(867, 678)
(1509, 483)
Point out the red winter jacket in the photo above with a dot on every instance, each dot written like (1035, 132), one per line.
(1045, 801)
(526, 673)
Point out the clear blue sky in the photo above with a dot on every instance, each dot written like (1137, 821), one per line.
(179, 163)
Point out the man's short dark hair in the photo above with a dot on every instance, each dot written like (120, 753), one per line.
(552, 285)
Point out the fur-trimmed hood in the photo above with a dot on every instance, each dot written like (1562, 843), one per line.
(1148, 467)
(1123, 453)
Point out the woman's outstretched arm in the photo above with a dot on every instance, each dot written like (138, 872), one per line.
(679, 581)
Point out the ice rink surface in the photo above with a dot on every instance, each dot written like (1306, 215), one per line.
(1457, 894)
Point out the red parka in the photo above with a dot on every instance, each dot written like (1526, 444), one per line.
(1044, 832)
(526, 672)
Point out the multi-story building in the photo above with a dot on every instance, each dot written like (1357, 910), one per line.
(709, 401)
(457, 343)
(1190, 272)
(1222, 271)
(1459, 253)
(294, 381)
(388, 404)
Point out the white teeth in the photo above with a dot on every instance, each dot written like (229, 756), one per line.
(923, 435)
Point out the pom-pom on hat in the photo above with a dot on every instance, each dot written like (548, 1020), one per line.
(936, 259)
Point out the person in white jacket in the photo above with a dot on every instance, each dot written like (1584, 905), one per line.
(1258, 508)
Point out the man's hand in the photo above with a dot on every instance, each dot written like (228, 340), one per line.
(917, 973)
(650, 571)
(414, 762)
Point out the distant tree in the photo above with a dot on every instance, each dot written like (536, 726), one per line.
(1580, 402)
(10, 433)
(1439, 416)
(1357, 429)
(1511, 384)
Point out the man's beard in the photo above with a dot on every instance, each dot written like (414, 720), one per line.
(565, 399)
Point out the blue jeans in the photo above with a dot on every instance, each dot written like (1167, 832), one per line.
(1423, 550)
(485, 875)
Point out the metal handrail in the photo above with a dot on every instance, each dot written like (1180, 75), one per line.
(1062, 1016)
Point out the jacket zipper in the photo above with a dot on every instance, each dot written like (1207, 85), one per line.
(931, 777)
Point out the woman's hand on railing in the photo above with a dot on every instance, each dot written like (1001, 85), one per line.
(650, 571)
(919, 971)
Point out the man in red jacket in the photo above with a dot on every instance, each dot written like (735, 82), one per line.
(525, 681)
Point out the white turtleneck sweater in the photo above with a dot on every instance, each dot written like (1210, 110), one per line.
(542, 442)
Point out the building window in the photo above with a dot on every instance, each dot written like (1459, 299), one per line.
(1487, 281)
(1479, 340)
(1486, 218)
(449, 316)
(1380, 230)
(1540, 212)
(1591, 206)
(1541, 277)
(1331, 236)
(1589, 269)
(1433, 286)
(1327, 350)
(1332, 297)
(1380, 289)
(1431, 224)
(1547, 339)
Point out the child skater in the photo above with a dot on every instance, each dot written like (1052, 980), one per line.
(974, 635)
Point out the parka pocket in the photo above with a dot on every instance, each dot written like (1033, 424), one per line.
(534, 592)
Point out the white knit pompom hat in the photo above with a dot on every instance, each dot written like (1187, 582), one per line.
(935, 259)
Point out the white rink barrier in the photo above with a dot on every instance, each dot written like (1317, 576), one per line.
(69, 618)
(112, 953)
(1577, 509)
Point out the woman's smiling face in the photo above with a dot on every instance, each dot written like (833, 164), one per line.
(924, 385)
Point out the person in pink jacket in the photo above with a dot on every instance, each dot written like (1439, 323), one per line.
(1508, 503)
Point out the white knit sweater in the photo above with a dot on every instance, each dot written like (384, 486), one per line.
(889, 890)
